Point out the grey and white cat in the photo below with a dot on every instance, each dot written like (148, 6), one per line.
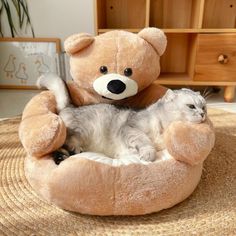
(119, 132)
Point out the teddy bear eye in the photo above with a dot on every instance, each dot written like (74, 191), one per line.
(103, 69)
(128, 72)
(191, 106)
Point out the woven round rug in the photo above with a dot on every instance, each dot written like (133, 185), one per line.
(210, 210)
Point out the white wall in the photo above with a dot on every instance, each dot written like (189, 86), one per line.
(50, 18)
(61, 18)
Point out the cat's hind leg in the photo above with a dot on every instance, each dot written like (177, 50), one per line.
(71, 147)
(60, 155)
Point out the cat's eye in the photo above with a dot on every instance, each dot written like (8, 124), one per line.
(191, 106)
(128, 72)
(103, 70)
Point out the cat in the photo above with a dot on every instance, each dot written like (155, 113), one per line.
(116, 132)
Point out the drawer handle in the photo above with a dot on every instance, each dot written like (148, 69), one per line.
(223, 59)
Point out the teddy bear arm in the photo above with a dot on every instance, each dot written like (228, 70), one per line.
(41, 130)
(190, 143)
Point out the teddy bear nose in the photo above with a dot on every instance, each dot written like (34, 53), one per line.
(116, 86)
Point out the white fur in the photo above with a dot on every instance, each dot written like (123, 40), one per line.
(56, 85)
(100, 86)
(119, 133)
(126, 160)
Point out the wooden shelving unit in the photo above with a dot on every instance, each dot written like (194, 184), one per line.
(201, 37)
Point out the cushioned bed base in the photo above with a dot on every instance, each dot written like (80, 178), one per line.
(91, 183)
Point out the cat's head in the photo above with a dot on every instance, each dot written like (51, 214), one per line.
(186, 105)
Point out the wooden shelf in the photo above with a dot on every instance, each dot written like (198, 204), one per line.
(134, 14)
(174, 14)
(199, 30)
(219, 14)
(8, 87)
(184, 79)
(100, 31)
(188, 59)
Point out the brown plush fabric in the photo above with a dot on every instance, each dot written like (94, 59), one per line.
(78, 42)
(90, 187)
(190, 143)
(116, 50)
(77, 183)
(41, 130)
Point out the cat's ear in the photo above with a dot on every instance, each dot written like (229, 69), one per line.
(186, 89)
(170, 95)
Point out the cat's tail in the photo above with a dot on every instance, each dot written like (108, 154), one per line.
(55, 84)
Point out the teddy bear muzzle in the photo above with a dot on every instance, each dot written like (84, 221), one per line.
(115, 86)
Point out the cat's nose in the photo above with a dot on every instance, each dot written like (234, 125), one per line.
(116, 86)
(202, 115)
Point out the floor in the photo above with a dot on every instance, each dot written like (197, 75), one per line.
(216, 101)
(13, 102)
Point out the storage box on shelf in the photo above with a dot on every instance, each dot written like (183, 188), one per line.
(201, 37)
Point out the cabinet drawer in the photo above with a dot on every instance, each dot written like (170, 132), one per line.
(216, 57)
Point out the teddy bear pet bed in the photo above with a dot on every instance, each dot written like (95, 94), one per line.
(117, 67)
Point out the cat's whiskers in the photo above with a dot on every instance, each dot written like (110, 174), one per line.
(208, 95)
(205, 91)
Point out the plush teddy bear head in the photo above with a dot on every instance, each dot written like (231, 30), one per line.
(117, 64)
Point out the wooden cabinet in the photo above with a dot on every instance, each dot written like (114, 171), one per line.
(216, 57)
(133, 14)
(219, 14)
(201, 37)
(174, 13)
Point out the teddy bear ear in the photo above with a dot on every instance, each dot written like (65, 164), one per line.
(155, 37)
(77, 42)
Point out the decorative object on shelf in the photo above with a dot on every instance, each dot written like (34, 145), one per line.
(192, 27)
(17, 15)
(23, 60)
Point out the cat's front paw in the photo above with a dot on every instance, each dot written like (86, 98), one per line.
(147, 154)
(73, 146)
